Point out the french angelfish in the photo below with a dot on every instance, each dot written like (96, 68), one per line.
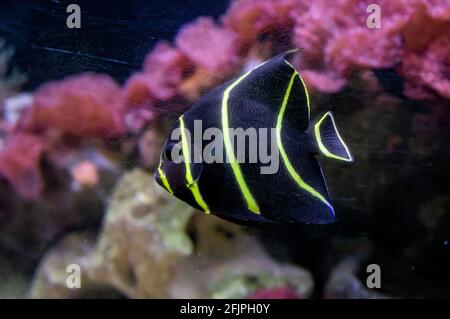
(274, 96)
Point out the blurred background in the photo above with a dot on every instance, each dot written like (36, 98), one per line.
(84, 113)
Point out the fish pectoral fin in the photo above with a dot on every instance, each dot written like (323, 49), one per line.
(328, 140)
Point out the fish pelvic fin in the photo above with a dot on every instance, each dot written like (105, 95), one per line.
(329, 141)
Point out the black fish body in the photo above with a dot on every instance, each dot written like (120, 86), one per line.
(271, 97)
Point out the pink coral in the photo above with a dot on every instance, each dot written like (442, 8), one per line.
(209, 46)
(275, 293)
(328, 82)
(86, 105)
(429, 73)
(85, 173)
(250, 18)
(354, 49)
(335, 39)
(439, 9)
(19, 164)
(337, 42)
(163, 72)
(138, 91)
(337, 45)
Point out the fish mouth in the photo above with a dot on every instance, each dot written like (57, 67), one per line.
(157, 178)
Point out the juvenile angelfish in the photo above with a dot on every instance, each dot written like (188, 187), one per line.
(274, 97)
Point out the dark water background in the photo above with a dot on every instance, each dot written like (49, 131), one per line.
(114, 36)
(394, 203)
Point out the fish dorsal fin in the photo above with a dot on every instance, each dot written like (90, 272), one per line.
(271, 83)
(329, 141)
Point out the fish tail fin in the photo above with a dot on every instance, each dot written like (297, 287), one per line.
(328, 140)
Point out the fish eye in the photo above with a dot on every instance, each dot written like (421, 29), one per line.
(167, 154)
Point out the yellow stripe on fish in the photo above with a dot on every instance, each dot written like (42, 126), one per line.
(190, 183)
(251, 202)
(287, 163)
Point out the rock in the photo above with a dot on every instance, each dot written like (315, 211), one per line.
(50, 280)
(229, 263)
(143, 238)
(152, 245)
(344, 284)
